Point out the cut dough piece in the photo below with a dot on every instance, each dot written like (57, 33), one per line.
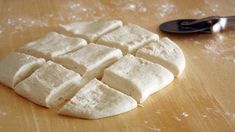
(97, 100)
(166, 53)
(137, 77)
(128, 38)
(49, 85)
(92, 30)
(90, 61)
(52, 45)
(16, 67)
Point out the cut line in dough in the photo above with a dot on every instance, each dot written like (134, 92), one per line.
(166, 53)
(137, 77)
(52, 45)
(17, 66)
(128, 38)
(90, 61)
(92, 30)
(50, 85)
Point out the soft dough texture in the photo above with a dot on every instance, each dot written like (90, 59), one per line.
(137, 77)
(128, 38)
(16, 67)
(97, 100)
(166, 53)
(49, 85)
(52, 45)
(92, 30)
(90, 61)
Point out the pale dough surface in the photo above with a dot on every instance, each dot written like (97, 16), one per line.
(90, 61)
(137, 77)
(128, 38)
(97, 100)
(166, 53)
(49, 85)
(52, 45)
(92, 30)
(16, 67)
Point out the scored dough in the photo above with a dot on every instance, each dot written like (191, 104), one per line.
(166, 53)
(16, 67)
(97, 100)
(52, 45)
(92, 30)
(90, 61)
(49, 85)
(128, 38)
(137, 77)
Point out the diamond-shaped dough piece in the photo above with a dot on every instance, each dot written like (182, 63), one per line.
(137, 77)
(128, 38)
(52, 45)
(16, 67)
(49, 85)
(92, 30)
(90, 61)
(166, 53)
(97, 100)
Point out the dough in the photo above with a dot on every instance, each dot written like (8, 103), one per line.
(49, 85)
(97, 100)
(16, 67)
(166, 53)
(128, 38)
(52, 45)
(90, 61)
(137, 77)
(92, 30)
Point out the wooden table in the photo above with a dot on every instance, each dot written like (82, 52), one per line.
(202, 99)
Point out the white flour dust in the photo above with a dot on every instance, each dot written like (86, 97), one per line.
(185, 114)
(198, 12)
(165, 9)
(136, 7)
(158, 112)
(181, 116)
(2, 114)
(131, 5)
(1, 30)
(19, 24)
(230, 58)
(219, 47)
(177, 118)
(229, 115)
(155, 129)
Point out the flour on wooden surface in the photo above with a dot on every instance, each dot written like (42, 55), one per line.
(230, 58)
(136, 7)
(158, 112)
(1, 30)
(2, 113)
(185, 114)
(140, 105)
(165, 9)
(177, 118)
(181, 116)
(204, 115)
(146, 122)
(155, 129)
(198, 12)
(19, 24)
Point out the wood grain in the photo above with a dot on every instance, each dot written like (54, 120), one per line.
(201, 100)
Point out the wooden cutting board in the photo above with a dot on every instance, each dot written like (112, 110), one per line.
(201, 100)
